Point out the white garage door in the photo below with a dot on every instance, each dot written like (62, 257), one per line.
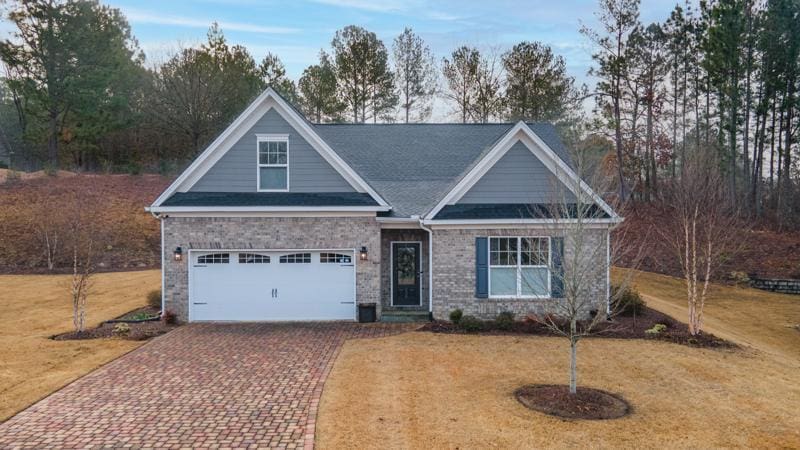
(272, 285)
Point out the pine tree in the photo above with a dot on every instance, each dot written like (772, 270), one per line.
(415, 69)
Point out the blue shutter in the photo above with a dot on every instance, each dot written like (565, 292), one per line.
(557, 278)
(482, 267)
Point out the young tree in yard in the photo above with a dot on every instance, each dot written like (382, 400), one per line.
(578, 259)
(415, 70)
(461, 75)
(538, 87)
(699, 228)
(365, 83)
(317, 91)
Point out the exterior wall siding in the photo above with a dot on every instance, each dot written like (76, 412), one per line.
(454, 274)
(268, 233)
(518, 177)
(236, 170)
(389, 235)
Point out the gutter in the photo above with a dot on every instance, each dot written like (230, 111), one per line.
(430, 263)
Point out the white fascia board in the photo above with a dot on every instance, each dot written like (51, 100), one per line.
(272, 209)
(260, 106)
(521, 132)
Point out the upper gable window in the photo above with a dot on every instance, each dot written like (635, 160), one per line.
(273, 163)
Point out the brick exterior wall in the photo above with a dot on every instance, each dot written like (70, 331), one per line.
(454, 273)
(389, 235)
(269, 233)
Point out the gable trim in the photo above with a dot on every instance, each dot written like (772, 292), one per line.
(521, 133)
(269, 99)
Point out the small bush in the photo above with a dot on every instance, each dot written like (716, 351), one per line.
(470, 324)
(455, 315)
(169, 317)
(740, 278)
(657, 329)
(154, 298)
(504, 321)
(121, 329)
(627, 302)
(133, 168)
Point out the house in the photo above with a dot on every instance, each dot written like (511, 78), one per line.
(281, 219)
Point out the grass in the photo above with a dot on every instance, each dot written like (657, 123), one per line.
(751, 317)
(37, 307)
(424, 390)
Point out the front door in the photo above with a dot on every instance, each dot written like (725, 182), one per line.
(405, 273)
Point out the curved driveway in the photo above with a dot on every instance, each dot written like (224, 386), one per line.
(245, 385)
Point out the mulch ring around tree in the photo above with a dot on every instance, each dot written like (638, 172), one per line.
(586, 404)
(619, 327)
(140, 327)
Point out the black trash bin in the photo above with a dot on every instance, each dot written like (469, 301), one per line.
(367, 312)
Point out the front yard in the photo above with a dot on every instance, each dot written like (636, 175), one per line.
(423, 390)
(36, 307)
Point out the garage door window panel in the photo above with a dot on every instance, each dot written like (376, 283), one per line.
(296, 258)
(334, 258)
(253, 258)
(214, 258)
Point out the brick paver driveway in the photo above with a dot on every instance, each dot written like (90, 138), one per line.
(202, 385)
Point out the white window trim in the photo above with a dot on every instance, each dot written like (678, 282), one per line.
(271, 138)
(519, 267)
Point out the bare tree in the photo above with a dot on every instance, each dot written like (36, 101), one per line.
(82, 233)
(700, 219)
(578, 262)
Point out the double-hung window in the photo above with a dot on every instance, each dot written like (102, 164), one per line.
(519, 267)
(273, 163)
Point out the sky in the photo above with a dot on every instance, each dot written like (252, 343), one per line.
(297, 30)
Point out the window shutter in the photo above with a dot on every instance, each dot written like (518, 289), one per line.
(481, 267)
(557, 278)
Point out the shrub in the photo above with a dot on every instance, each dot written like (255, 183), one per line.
(470, 324)
(133, 168)
(740, 278)
(121, 329)
(657, 329)
(169, 317)
(504, 321)
(154, 298)
(627, 302)
(455, 315)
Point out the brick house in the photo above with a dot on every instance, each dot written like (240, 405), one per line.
(280, 219)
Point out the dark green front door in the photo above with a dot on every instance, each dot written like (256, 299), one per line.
(405, 273)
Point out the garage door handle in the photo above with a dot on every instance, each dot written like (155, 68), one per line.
(347, 303)
(200, 303)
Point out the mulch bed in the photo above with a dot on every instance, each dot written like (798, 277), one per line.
(586, 403)
(620, 327)
(139, 330)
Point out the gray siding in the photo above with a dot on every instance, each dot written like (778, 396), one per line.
(236, 170)
(518, 177)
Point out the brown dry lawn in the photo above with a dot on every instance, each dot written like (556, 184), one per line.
(36, 307)
(423, 390)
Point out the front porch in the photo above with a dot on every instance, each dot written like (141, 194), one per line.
(404, 275)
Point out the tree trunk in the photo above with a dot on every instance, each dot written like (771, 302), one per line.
(573, 364)
(52, 139)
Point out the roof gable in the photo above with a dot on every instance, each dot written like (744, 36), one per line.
(521, 132)
(268, 100)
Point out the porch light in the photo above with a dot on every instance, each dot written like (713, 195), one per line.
(363, 253)
(178, 255)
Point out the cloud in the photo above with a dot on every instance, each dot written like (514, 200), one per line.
(367, 5)
(137, 16)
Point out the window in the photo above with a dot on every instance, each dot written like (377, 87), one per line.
(296, 258)
(253, 258)
(519, 267)
(334, 258)
(273, 163)
(214, 258)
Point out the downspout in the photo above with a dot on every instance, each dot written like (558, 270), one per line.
(430, 265)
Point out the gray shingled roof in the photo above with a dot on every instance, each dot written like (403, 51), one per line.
(413, 166)
(269, 199)
(517, 211)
